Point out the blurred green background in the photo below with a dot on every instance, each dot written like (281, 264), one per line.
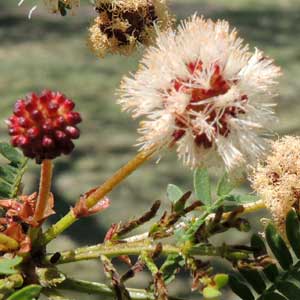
(49, 51)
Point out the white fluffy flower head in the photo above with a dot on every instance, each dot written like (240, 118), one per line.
(203, 92)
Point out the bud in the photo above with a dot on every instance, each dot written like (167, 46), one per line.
(43, 126)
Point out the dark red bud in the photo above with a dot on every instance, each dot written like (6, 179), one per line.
(73, 132)
(33, 132)
(47, 142)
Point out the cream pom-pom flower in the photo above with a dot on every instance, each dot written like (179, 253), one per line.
(122, 25)
(277, 180)
(202, 91)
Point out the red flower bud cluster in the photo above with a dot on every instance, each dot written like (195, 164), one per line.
(44, 125)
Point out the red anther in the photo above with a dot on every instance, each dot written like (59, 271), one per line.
(218, 86)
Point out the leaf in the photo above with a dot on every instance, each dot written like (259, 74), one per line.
(202, 186)
(240, 288)
(241, 199)
(271, 272)
(13, 155)
(258, 244)
(174, 193)
(255, 279)
(211, 293)
(7, 265)
(296, 275)
(289, 290)
(170, 267)
(11, 174)
(274, 296)
(29, 292)
(293, 231)
(225, 186)
(221, 280)
(278, 247)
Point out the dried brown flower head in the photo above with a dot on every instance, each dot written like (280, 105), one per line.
(122, 25)
(278, 179)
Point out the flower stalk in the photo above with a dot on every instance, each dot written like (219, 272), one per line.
(44, 189)
(98, 194)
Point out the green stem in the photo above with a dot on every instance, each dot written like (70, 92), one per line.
(103, 290)
(110, 251)
(97, 195)
(149, 262)
(115, 250)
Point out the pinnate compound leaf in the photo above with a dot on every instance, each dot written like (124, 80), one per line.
(278, 247)
(10, 153)
(202, 186)
(293, 231)
(11, 174)
(7, 265)
(29, 292)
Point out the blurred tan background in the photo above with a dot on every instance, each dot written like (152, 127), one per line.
(49, 52)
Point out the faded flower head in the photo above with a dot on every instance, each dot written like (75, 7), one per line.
(44, 125)
(123, 24)
(61, 6)
(202, 91)
(17, 216)
(277, 180)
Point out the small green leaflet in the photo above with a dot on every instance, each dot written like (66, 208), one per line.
(174, 193)
(29, 292)
(202, 186)
(7, 265)
(225, 186)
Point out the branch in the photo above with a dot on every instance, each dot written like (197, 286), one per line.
(97, 195)
(104, 290)
(116, 250)
(248, 208)
(110, 251)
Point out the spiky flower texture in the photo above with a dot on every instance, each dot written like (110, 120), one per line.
(122, 25)
(44, 125)
(204, 92)
(277, 180)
